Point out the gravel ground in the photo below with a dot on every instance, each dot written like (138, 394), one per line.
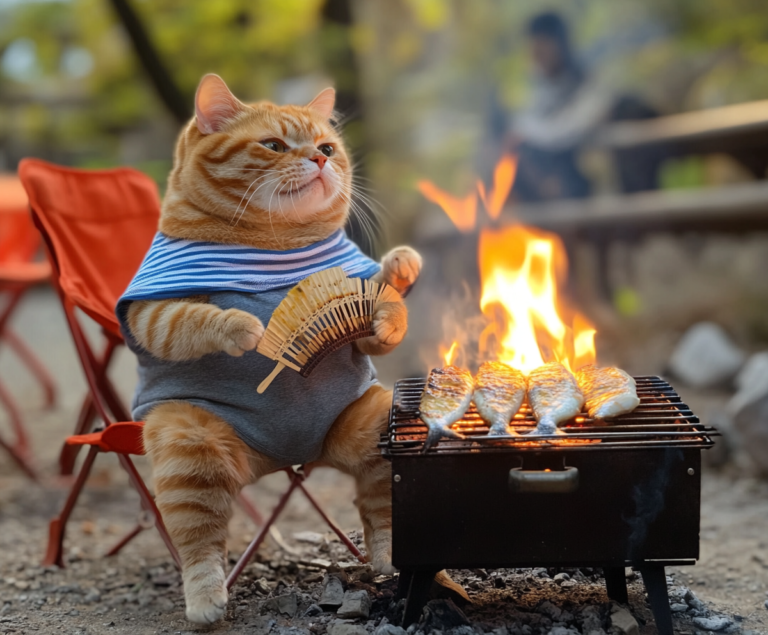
(139, 591)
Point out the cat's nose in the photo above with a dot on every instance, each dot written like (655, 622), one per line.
(320, 159)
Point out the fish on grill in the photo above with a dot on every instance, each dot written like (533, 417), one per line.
(609, 392)
(554, 396)
(444, 401)
(499, 393)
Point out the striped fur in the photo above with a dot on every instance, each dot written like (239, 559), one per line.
(227, 187)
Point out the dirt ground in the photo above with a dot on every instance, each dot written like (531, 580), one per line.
(139, 592)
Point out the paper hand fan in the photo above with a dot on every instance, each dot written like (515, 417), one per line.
(318, 316)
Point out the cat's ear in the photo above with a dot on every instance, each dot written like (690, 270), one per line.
(324, 102)
(214, 104)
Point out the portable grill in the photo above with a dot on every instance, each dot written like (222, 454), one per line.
(596, 495)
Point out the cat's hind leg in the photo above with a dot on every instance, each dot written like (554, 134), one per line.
(351, 446)
(199, 466)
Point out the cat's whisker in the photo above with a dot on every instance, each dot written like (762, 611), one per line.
(245, 207)
(251, 184)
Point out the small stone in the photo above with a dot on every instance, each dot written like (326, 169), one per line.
(311, 537)
(74, 613)
(550, 610)
(261, 625)
(694, 602)
(93, 595)
(590, 619)
(443, 615)
(338, 627)
(766, 604)
(389, 629)
(262, 586)
(561, 577)
(313, 610)
(677, 607)
(285, 604)
(288, 604)
(333, 594)
(356, 604)
(718, 623)
(291, 630)
(623, 620)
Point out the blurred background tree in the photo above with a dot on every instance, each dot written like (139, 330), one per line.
(424, 84)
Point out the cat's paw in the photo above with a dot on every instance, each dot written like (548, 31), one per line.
(206, 606)
(240, 331)
(383, 568)
(401, 267)
(390, 323)
(380, 552)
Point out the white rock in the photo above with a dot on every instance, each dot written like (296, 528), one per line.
(623, 621)
(705, 356)
(713, 623)
(749, 409)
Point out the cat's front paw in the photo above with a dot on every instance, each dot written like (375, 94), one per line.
(241, 332)
(401, 267)
(390, 323)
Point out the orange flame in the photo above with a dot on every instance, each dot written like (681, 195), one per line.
(462, 211)
(449, 356)
(583, 342)
(503, 180)
(521, 272)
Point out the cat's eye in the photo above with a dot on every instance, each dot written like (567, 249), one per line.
(275, 145)
(326, 149)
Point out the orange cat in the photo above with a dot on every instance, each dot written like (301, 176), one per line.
(269, 185)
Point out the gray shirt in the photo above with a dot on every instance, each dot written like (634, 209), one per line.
(289, 421)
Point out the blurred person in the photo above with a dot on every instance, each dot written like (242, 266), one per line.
(567, 105)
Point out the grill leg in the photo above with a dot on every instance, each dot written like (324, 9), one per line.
(418, 594)
(656, 584)
(404, 584)
(616, 584)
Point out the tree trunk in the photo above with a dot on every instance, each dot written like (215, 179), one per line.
(167, 90)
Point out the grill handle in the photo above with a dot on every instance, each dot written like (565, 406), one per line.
(543, 482)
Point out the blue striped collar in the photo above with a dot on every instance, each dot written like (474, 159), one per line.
(177, 268)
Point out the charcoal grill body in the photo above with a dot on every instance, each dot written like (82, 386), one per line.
(617, 497)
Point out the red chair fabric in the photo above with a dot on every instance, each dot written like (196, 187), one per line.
(99, 224)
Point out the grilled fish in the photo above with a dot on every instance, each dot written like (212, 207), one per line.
(499, 393)
(554, 395)
(609, 392)
(445, 399)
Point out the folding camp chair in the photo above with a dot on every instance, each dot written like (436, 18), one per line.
(98, 225)
(19, 272)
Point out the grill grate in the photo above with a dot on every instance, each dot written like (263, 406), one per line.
(661, 420)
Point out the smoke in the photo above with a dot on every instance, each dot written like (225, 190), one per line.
(460, 321)
(650, 498)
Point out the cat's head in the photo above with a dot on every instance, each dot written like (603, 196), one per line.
(275, 177)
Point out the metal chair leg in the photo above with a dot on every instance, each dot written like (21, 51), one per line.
(259, 538)
(54, 553)
(26, 355)
(138, 528)
(250, 509)
(16, 421)
(336, 529)
(149, 504)
(68, 454)
(19, 459)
